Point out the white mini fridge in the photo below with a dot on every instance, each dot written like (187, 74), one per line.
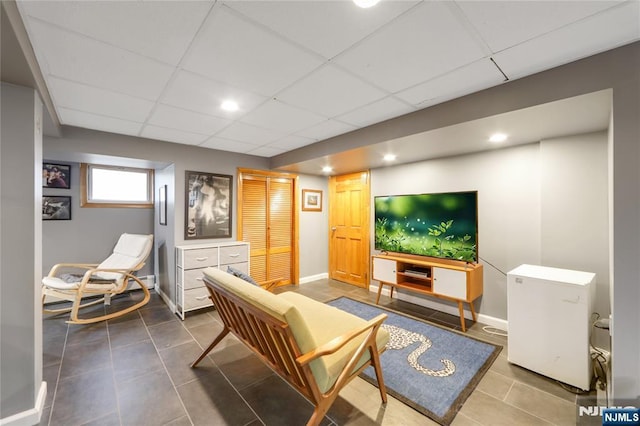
(549, 315)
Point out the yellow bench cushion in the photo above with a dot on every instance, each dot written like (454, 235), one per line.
(312, 323)
(324, 323)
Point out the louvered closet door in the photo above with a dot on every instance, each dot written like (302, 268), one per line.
(267, 223)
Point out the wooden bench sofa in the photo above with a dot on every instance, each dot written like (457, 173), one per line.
(316, 348)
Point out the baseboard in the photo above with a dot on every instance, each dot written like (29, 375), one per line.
(166, 299)
(310, 278)
(31, 416)
(434, 304)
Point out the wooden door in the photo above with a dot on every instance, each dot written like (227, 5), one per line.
(267, 220)
(349, 228)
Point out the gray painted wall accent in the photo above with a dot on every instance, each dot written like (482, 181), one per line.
(20, 250)
(91, 234)
(314, 229)
(164, 234)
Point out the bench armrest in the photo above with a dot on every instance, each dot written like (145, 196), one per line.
(336, 344)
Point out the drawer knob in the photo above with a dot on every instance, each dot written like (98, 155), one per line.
(199, 279)
(202, 259)
(234, 255)
(201, 297)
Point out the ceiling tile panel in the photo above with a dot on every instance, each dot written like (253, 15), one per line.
(228, 145)
(503, 24)
(249, 134)
(266, 151)
(420, 45)
(326, 27)
(180, 119)
(291, 142)
(98, 122)
(612, 28)
(234, 51)
(172, 135)
(376, 112)
(98, 101)
(468, 79)
(196, 93)
(77, 58)
(331, 91)
(326, 129)
(276, 115)
(158, 29)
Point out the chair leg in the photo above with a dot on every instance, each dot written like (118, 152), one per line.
(74, 310)
(375, 361)
(213, 344)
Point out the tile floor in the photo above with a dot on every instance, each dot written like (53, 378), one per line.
(134, 370)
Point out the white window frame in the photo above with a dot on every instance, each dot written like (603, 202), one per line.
(85, 188)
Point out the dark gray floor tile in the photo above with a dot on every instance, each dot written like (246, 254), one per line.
(542, 404)
(79, 359)
(50, 375)
(240, 365)
(81, 334)
(213, 401)
(153, 315)
(111, 419)
(83, 398)
(126, 333)
(198, 318)
(283, 406)
(55, 325)
(178, 359)
(45, 416)
(206, 333)
(182, 421)
(169, 334)
(52, 349)
(490, 411)
(149, 400)
(137, 359)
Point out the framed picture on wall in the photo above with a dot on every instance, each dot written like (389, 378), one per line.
(56, 208)
(311, 200)
(162, 204)
(56, 176)
(208, 202)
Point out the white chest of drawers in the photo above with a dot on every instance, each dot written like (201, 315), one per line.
(191, 260)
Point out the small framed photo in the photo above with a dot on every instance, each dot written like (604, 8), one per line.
(56, 208)
(208, 205)
(162, 204)
(56, 175)
(311, 200)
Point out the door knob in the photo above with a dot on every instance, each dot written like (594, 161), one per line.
(333, 228)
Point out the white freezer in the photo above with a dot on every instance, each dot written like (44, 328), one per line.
(549, 313)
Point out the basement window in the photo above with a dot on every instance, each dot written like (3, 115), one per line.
(113, 186)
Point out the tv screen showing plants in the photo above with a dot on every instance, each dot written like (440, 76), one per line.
(443, 225)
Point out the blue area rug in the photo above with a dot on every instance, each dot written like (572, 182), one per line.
(429, 368)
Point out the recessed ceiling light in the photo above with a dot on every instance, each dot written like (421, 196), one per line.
(365, 4)
(389, 157)
(498, 137)
(327, 169)
(229, 105)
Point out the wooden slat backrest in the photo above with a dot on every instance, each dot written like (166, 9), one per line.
(268, 337)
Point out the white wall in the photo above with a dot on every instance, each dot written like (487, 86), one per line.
(519, 202)
(574, 211)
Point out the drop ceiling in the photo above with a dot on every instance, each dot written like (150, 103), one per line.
(301, 71)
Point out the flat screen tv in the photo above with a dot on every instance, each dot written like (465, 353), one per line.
(442, 225)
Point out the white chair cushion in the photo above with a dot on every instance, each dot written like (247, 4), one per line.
(133, 245)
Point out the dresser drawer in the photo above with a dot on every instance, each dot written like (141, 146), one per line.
(233, 254)
(195, 298)
(242, 267)
(199, 258)
(193, 278)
